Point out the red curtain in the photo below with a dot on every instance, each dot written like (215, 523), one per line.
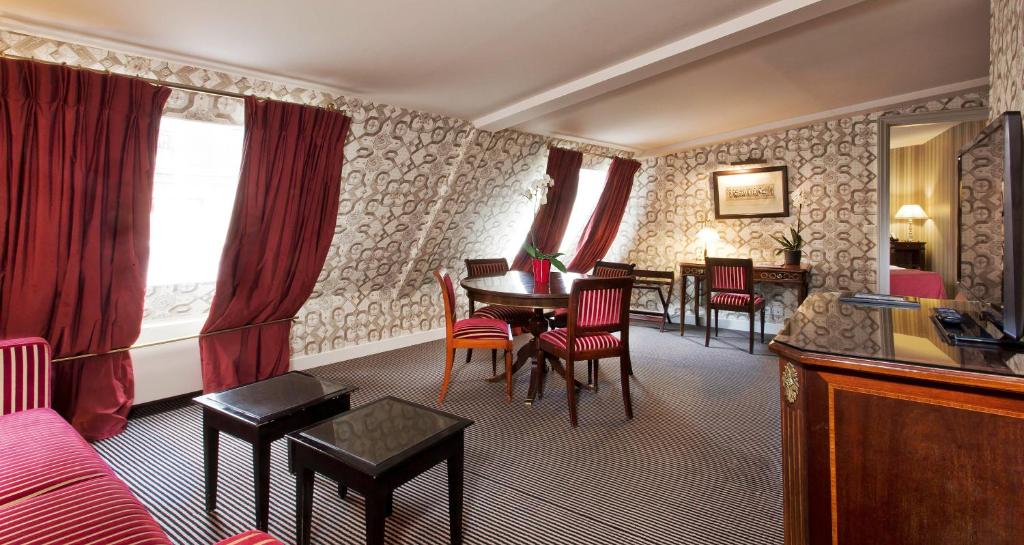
(604, 223)
(552, 219)
(77, 151)
(281, 229)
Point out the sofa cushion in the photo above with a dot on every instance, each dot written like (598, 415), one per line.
(39, 453)
(100, 510)
(252, 537)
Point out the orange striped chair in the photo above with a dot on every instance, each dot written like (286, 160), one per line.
(24, 374)
(517, 317)
(598, 307)
(469, 333)
(730, 287)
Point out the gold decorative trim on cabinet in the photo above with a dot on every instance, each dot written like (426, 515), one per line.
(790, 382)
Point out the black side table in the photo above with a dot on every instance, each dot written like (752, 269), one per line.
(374, 449)
(260, 413)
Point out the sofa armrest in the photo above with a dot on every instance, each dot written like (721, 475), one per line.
(24, 374)
(252, 537)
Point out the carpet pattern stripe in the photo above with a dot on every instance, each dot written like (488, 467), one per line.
(700, 463)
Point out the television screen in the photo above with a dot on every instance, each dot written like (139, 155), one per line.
(990, 220)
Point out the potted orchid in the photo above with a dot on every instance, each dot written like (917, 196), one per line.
(792, 245)
(537, 193)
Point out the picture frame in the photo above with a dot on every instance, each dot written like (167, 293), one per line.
(761, 192)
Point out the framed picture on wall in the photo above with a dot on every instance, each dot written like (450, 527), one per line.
(751, 193)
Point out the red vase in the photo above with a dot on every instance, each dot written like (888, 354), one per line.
(541, 271)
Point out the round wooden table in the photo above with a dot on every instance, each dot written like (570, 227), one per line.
(517, 289)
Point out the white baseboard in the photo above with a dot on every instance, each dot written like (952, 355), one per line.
(301, 363)
(740, 324)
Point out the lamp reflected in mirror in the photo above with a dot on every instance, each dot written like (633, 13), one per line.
(911, 212)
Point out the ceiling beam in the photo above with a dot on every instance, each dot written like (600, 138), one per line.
(817, 117)
(761, 22)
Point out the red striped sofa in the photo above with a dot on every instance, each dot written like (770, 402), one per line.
(54, 488)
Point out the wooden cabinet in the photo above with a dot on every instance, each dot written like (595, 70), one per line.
(909, 255)
(923, 445)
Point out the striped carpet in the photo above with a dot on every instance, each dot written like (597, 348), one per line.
(699, 464)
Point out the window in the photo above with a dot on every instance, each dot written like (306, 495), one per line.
(197, 166)
(590, 188)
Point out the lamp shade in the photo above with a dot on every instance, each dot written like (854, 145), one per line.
(911, 212)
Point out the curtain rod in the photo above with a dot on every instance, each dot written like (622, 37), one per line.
(173, 85)
(594, 154)
(169, 341)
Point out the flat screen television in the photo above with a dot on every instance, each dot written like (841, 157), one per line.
(991, 224)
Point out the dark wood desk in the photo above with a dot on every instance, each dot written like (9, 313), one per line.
(891, 435)
(798, 276)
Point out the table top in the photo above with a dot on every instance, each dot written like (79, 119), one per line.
(268, 400)
(824, 325)
(517, 288)
(381, 434)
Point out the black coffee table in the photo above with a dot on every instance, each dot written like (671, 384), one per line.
(261, 413)
(374, 449)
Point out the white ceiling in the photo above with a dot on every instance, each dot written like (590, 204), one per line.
(645, 74)
(902, 136)
(873, 50)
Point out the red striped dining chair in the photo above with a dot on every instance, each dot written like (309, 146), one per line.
(24, 374)
(517, 317)
(598, 307)
(730, 287)
(602, 269)
(469, 333)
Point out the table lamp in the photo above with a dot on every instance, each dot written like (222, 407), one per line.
(911, 212)
(707, 235)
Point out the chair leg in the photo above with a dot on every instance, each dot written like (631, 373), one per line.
(762, 325)
(449, 361)
(590, 372)
(508, 375)
(751, 316)
(469, 354)
(716, 322)
(625, 365)
(494, 361)
(570, 391)
(597, 373)
(707, 326)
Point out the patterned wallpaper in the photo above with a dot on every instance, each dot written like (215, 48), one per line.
(419, 190)
(981, 220)
(1006, 72)
(833, 169)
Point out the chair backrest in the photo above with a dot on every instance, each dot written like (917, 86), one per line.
(24, 374)
(444, 280)
(653, 274)
(729, 275)
(599, 305)
(611, 269)
(491, 266)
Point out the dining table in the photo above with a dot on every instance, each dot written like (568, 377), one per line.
(518, 289)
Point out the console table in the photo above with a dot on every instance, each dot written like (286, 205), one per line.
(891, 435)
(798, 276)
